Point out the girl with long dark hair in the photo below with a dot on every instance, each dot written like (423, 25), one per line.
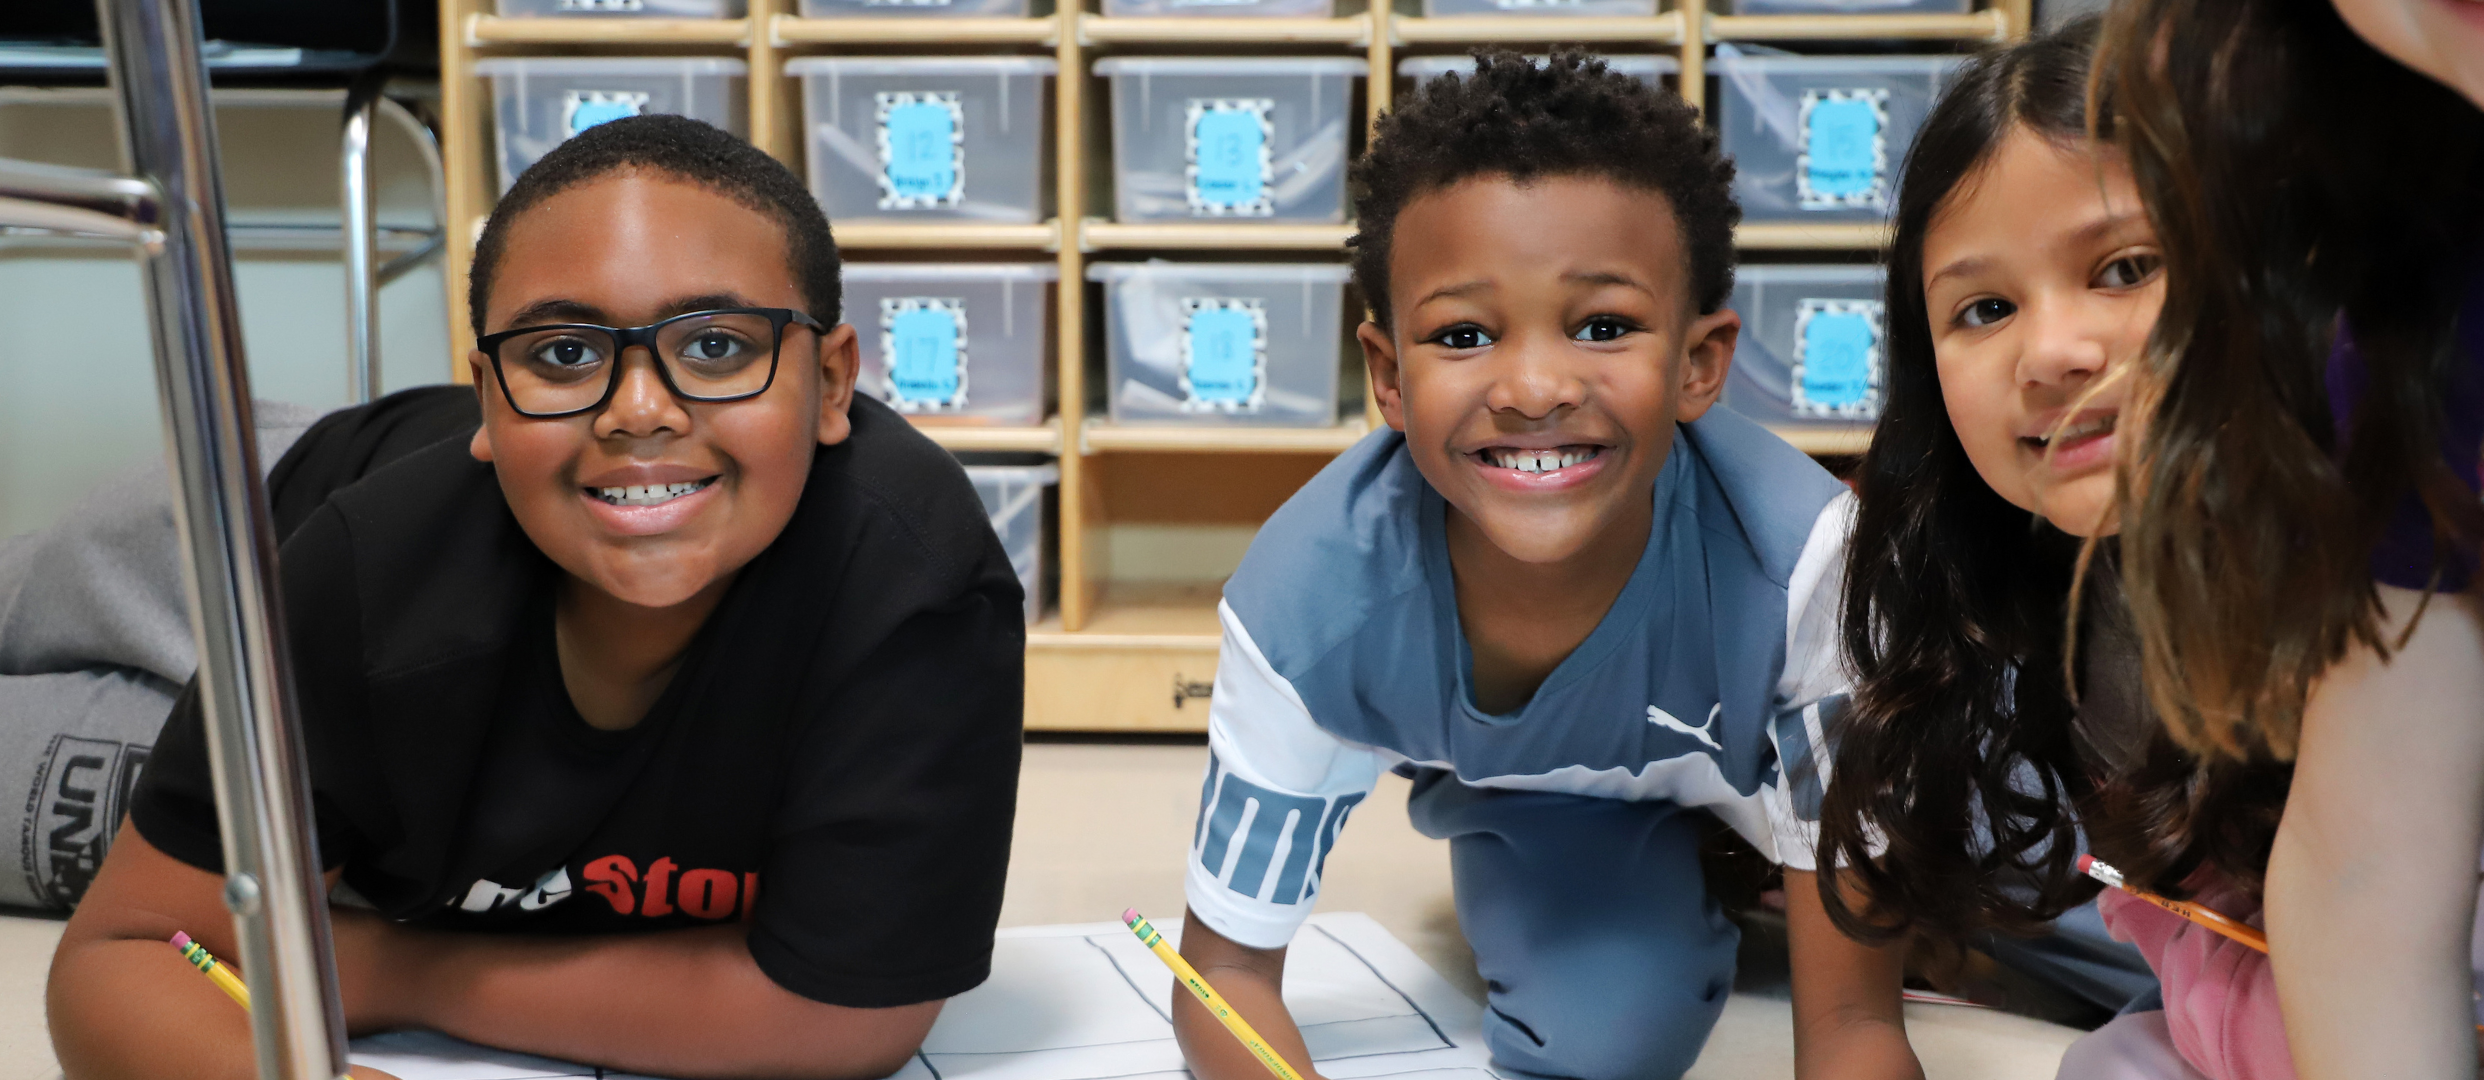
(1998, 727)
(2303, 524)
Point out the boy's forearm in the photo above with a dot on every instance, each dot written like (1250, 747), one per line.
(687, 1003)
(1250, 980)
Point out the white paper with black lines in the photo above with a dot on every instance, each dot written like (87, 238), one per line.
(1088, 1002)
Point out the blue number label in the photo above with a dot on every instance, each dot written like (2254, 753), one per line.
(1230, 160)
(1845, 154)
(1224, 354)
(922, 150)
(923, 345)
(583, 109)
(1837, 360)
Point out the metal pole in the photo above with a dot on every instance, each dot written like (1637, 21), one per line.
(362, 357)
(272, 879)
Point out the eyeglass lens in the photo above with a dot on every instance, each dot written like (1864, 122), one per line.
(563, 369)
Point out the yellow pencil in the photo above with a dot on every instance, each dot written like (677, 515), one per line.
(1189, 976)
(216, 972)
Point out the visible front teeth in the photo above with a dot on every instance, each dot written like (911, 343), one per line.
(1540, 461)
(649, 494)
(2097, 426)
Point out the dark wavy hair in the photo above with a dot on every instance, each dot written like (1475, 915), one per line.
(1957, 750)
(2294, 174)
(690, 150)
(1569, 116)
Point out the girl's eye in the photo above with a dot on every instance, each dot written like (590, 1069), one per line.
(1462, 337)
(1987, 311)
(2127, 271)
(1602, 328)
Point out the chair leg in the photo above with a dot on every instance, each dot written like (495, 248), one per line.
(362, 357)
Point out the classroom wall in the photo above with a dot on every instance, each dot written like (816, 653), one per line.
(75, 357)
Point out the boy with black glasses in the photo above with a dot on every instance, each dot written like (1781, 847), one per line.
(670, 721)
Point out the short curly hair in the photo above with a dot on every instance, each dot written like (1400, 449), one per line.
(691, 150)
(1567, 116)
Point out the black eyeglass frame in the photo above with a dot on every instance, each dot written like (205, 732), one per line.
(627, 337)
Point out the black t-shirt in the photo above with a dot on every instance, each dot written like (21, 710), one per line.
(835, 761)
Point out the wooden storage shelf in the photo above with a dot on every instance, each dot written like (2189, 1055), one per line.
(1034, 440)
(1100, 30)
(1827, 236)
(1664, 29)
(1825, 441)
(494, 30)
(1101, 436)
(1096, 234)
(788, 30)
(1991, 24)
(888, 235)
(1144, 662)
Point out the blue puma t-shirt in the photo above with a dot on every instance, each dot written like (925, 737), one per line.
(1715, 668)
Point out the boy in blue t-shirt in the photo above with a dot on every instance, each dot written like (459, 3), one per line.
(1574, 600)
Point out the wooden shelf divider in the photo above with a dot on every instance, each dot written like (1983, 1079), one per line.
(963, 236)
(1991, 24)
(482, 29)
(1662, 29)
(1798, 236)
(913, 30)
(1102, 436)
(1097, 234)
(1100, 30)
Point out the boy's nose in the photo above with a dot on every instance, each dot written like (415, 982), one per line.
(1536, 379)
(642, 405)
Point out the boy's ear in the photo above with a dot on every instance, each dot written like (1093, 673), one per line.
(1380, 361)
(480, 367)
(1707, 355)
(839, 360)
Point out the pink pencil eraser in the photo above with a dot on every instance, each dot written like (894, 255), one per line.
(1129, 915)
(2086, 861)
(181, 939)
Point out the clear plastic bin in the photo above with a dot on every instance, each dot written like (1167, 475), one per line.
(1848, 7)
(931, 9)
(1222, 343)
(1014, 496)
(954, 342)
(1549, 8)
(1820, 138)
(934, 138)
(1223, 9)
(1197, 139)
(1811, 351)
(1652, 70)
(539, 102)
(645, 9)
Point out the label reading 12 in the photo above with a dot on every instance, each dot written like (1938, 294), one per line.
(1224, 354)
(1844, 163)
(923, 347)
(1229, 162)
(583, 109)
(922, 150)
(1837, 360)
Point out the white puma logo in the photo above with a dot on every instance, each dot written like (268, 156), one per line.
(1666, 720)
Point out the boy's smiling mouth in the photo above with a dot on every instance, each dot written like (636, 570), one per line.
(648, 494)
(1533, 461)
(1536, 470)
